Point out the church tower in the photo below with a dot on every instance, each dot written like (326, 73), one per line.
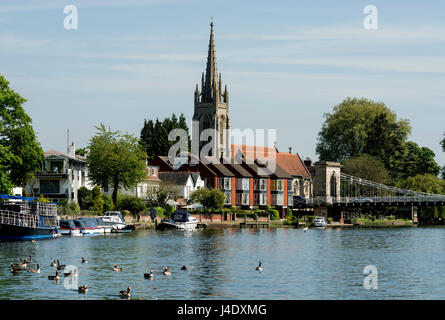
(212, 108)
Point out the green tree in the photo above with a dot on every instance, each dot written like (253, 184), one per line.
(366, 167)
(443, 148)
(211, 200)
(345, 132)
(417, 161)
(161, 195)
(115, 159)
(82, 152)
(21, 153)
(154, 135)
(97, 200)
(424, 183)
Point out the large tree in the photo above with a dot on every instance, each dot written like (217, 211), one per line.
(366, 167)
(154, 135)
(424, 183)
(443, 147)
(347, 131)
(360, 126)
(115, 159)
(20, 152)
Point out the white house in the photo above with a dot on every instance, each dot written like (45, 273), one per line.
(143, 188)
(185, 182)
(61, 175)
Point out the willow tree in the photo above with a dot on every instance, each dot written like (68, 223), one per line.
(115, 159)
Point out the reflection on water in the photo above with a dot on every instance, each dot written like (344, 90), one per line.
(318, 264)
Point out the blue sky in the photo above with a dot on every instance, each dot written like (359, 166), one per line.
(285, 63)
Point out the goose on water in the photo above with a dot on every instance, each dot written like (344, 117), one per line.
(54, 263)
(183, 268)
(166, 271)
(149, 275)
(259, 267)
(125, 294)
(83, 289)
(83, 260)
(36, 270)
(56, 277)
(115, 268)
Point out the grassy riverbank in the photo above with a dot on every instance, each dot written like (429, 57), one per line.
(363, 222)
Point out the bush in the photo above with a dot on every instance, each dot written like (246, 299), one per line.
(131, 204)
(108, 202)
(169, 211)
(275, 214)
(74, 207)
(84, 196)
(97, 200)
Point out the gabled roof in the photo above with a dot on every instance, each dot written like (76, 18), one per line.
(292, 164)
(177, 178)
(52, 153)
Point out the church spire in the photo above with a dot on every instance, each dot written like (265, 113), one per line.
(211, 87)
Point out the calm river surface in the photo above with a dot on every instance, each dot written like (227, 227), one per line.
(317, 264)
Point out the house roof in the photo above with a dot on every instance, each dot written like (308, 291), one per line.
(292, 164)
(177, 178)
(52, 153)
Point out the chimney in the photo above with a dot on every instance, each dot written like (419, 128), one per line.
(72, 150)
(290, 149)
(308, 162)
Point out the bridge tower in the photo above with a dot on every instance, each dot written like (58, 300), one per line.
(326, 184)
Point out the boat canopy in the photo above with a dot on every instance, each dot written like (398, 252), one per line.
(69, 224)
(8, 197)
(181, 216)
(88, 222)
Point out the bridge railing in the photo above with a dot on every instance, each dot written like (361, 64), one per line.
(320, 200)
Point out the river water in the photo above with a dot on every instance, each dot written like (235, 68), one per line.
(317, 264)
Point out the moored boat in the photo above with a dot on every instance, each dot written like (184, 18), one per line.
(180, 220)
(69, 228)
(23, 218)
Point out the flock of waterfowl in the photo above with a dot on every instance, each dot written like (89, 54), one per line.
(21, 266)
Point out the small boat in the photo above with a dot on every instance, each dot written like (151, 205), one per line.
(319, 222)
(88, 226)
(69, 228)
(180, 220)
(115, 219)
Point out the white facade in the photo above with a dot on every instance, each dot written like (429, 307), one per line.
(62, 174)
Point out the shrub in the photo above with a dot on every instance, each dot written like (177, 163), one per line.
(84, 196)
(97, 200)
(130, 203)
(108, 202)
(74, 207)
(275, 214)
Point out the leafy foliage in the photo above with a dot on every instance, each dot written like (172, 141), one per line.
(115, 159)
(20, 152)
(210, 199)
(366, 167)
(84, 196)
(154, 135)
(359, 126)
(424, 183)
(130, 203)
(97, 200)
(160, 196)
(108, 202)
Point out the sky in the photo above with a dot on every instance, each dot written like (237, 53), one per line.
(286, 64)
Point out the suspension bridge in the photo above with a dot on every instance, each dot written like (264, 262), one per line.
(337, 189)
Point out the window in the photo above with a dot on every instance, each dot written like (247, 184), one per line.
(56, 166)
(277, 199)
(242, 199)
(263, 184)
(260, 199)
(256, 184)
(227, 183)
(290, 200)
(228, 199)
(273, 185)
(280, 185)
(242, 184)
(49, 186)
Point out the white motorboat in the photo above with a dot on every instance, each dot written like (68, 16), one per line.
(114, 219)
(320, 222)
(180, 220)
